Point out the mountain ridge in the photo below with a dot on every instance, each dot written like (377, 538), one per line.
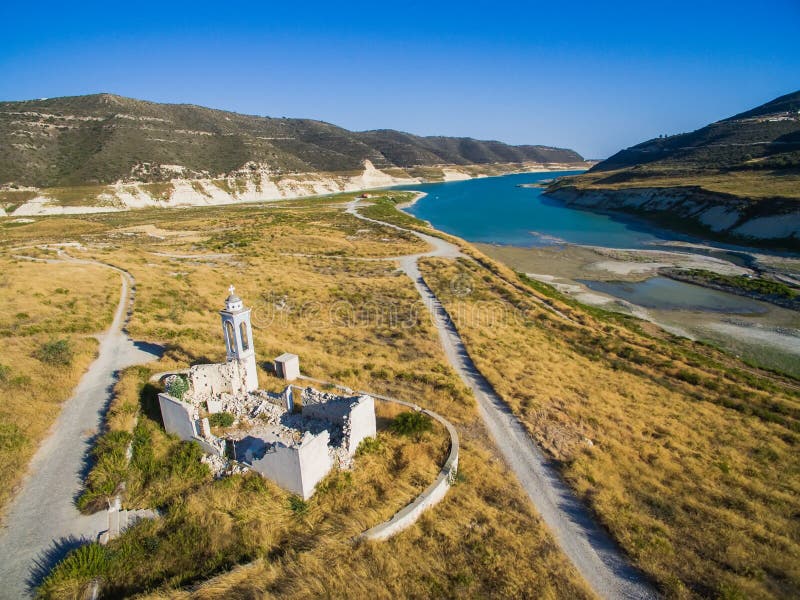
(103, 138)
(735, 180)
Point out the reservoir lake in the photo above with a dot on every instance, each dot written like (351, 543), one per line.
(569, 248)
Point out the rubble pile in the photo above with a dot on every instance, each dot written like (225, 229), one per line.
(222, 467)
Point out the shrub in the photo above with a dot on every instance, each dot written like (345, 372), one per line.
(5, 373)
(222, 419)
(412, 424)
(369, 445)
(177, 387)
(55, 352)
(81, 565)
(688, 376)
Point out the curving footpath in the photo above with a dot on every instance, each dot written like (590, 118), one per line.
(42, 523)
(433, 494)
(595, 555)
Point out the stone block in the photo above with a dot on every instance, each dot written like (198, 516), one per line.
(287, 366)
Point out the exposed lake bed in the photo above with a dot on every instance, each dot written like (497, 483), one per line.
(615, 263)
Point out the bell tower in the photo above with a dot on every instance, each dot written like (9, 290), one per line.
(238, 334)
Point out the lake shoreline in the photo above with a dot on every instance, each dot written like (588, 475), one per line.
(479, 210)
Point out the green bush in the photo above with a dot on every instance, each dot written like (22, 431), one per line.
(55, 352)
(688, 376)
(412, 424)
(222, 419)
(177, 387)
(370, 445)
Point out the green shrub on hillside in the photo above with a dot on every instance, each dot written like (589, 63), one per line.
(57, 353)
(411, 424)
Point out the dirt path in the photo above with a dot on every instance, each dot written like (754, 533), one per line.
(42, 523)
(595, 555)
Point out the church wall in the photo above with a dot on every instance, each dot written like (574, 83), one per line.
(362, 423)
(207, 380)
(357, 418)
(178, 417)
(297, 469)
(315, 462)
(333, 411)
(281, 465)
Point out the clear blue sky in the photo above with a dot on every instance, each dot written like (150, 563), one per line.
(595, 76)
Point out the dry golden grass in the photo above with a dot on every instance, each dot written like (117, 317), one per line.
(692, 464)
(41, 303)
(359, 322)
(651, 432)
(750, 184)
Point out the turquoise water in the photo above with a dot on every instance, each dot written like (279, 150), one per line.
(495, 210)
(668, 294)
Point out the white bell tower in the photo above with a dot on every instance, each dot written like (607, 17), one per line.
(239, 339)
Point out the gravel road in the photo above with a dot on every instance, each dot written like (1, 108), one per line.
(42, 523)
(595, 555)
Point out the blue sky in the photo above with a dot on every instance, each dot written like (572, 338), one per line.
(595, 76)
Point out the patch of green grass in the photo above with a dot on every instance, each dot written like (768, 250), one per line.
(384, 208)
(756, 285)
(55, 353)
(222, 419)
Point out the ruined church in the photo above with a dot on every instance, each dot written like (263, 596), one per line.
(293, 443)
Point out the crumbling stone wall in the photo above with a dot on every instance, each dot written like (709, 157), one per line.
(217, 378)
(355, 415)
(361, 424)
(297, 469)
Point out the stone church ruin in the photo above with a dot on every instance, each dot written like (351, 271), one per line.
(294, 444)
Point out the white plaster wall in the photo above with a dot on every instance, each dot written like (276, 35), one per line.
(288, 368)
(232, 377)
(362, 422)
(281, 465)
(249, 373)
(178, 417)
(315, 462)
(299, 469)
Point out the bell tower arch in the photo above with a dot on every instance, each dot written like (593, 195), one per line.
(238, 334)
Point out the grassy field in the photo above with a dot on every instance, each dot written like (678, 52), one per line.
(747, 183)
(688, 459)
(302, 267)
(686, 455)
(49, 317)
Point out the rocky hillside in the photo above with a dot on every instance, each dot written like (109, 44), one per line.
(105, 139)
(737, 179)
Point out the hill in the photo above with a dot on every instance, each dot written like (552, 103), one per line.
(103, 138)
(737, 179)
